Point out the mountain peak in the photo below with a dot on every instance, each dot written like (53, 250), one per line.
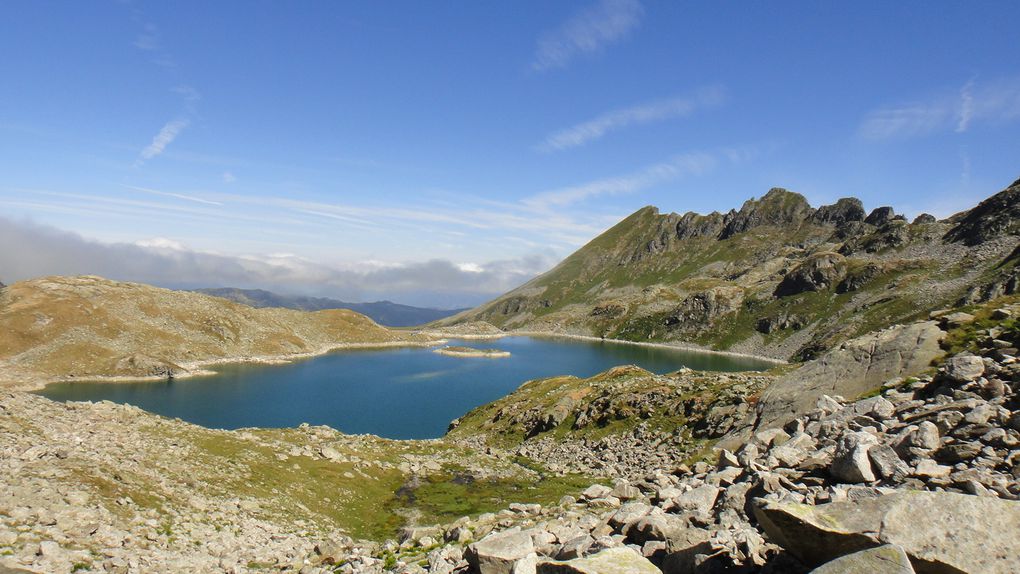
(777, 207)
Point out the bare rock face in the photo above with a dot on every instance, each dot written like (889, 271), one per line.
(858, 366)
(888, 559)
(700, 310)
(961, 533)
(777, 207)
(845, 210)
(620, 560)
(880, 216)
(818, 272)
(997, 215)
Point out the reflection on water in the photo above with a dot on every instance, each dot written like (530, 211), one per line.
(395, 393)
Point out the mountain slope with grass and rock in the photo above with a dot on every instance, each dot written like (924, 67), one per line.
(777, 277)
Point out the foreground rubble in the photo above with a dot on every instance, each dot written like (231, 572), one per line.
(929, 468)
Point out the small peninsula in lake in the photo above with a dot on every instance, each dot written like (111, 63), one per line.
(472, 352)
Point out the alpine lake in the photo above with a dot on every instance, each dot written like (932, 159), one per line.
(399, 393)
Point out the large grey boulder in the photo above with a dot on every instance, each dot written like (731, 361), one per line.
(856, 367)
(888, 559)
(963, 369)
(497, 553)
(621, 560)
(851, 463)
(941, 532)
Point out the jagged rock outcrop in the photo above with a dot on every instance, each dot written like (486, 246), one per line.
(778, 207)
(880, 216)
(701, 310)
(857, 278)
(693, 225)
(856, 367)
(820, 271)
(941, 532)
(845, 210)
(995, 216)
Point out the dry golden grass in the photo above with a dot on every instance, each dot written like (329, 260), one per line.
(88, 326)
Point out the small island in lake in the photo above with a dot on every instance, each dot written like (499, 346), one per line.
(472, 352)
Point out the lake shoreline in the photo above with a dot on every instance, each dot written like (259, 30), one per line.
(555, 335)
(202, 368)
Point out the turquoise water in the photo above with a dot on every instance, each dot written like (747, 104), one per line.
(394, 393)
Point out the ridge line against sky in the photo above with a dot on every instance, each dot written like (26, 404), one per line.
(516, 136)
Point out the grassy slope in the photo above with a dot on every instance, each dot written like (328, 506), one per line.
(85, 326)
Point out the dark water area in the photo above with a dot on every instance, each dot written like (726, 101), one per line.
(409, 393)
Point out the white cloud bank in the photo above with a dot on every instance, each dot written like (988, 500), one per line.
(165, 262)
(588, 31)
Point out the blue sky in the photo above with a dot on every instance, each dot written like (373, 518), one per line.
(317, 141)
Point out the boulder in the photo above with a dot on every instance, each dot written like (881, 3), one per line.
(964, 368)
(856, 367)
(924, 219)
(850, 462)
(683, 550)
(622, 560)
(887, 463)
(888, 559)
(700, 499)
(961, 533)
(497, 553)
(818, 272)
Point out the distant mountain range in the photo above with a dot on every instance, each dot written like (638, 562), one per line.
(385, 313)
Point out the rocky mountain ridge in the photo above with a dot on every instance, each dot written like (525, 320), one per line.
(777, 277)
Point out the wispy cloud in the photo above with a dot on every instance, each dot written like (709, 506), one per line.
(176, 195)
(148, 38)
(679, 166)
(165, 137)
(587, 31)
(229, 177)
(645, 113)
(991, 103)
